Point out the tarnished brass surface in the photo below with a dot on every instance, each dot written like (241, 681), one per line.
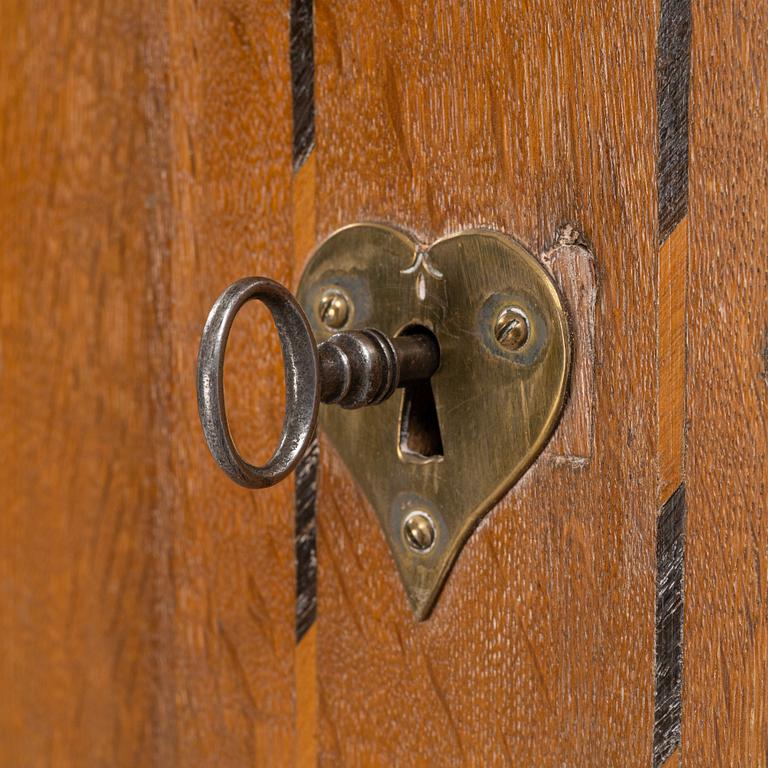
(497, 404)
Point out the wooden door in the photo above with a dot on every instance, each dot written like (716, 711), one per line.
(610, 611)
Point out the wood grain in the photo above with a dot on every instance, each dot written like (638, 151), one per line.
(725, 710)
(305, 746)
(520, 116)
(573, 267)
(147, 604)
(673, 273)
(84, 363)
(674, 760)
(230, 567)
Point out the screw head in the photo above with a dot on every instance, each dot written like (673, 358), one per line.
(333, 308)
(511, 329)
(419, 531)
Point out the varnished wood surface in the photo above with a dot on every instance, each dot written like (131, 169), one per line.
(146, 603)
(540, 650)
(147, 609)
(83, 357)
(725, 666)
(230, 579)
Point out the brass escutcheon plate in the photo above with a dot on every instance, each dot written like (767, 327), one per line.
(497, 404)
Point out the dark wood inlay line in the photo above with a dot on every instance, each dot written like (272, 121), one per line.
(306, 541)
(670, 551)
(302, 80)
(673, 70)
(303, 95)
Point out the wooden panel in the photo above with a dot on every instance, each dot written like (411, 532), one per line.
(147, 603)
(82, 276)
(230, 573)
(725, 711)
(522, 116)
(149, 154)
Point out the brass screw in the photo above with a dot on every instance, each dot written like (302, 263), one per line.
(419, 530)
(511, 328)
(333, 308)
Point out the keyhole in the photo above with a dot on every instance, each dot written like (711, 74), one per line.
(420, 438)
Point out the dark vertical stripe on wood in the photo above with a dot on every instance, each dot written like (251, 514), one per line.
(302, 79)
(303, 92)
(306, 541)
(670, 549)
(673, 69)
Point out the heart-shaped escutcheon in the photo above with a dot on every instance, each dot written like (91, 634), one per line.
(435, 457)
